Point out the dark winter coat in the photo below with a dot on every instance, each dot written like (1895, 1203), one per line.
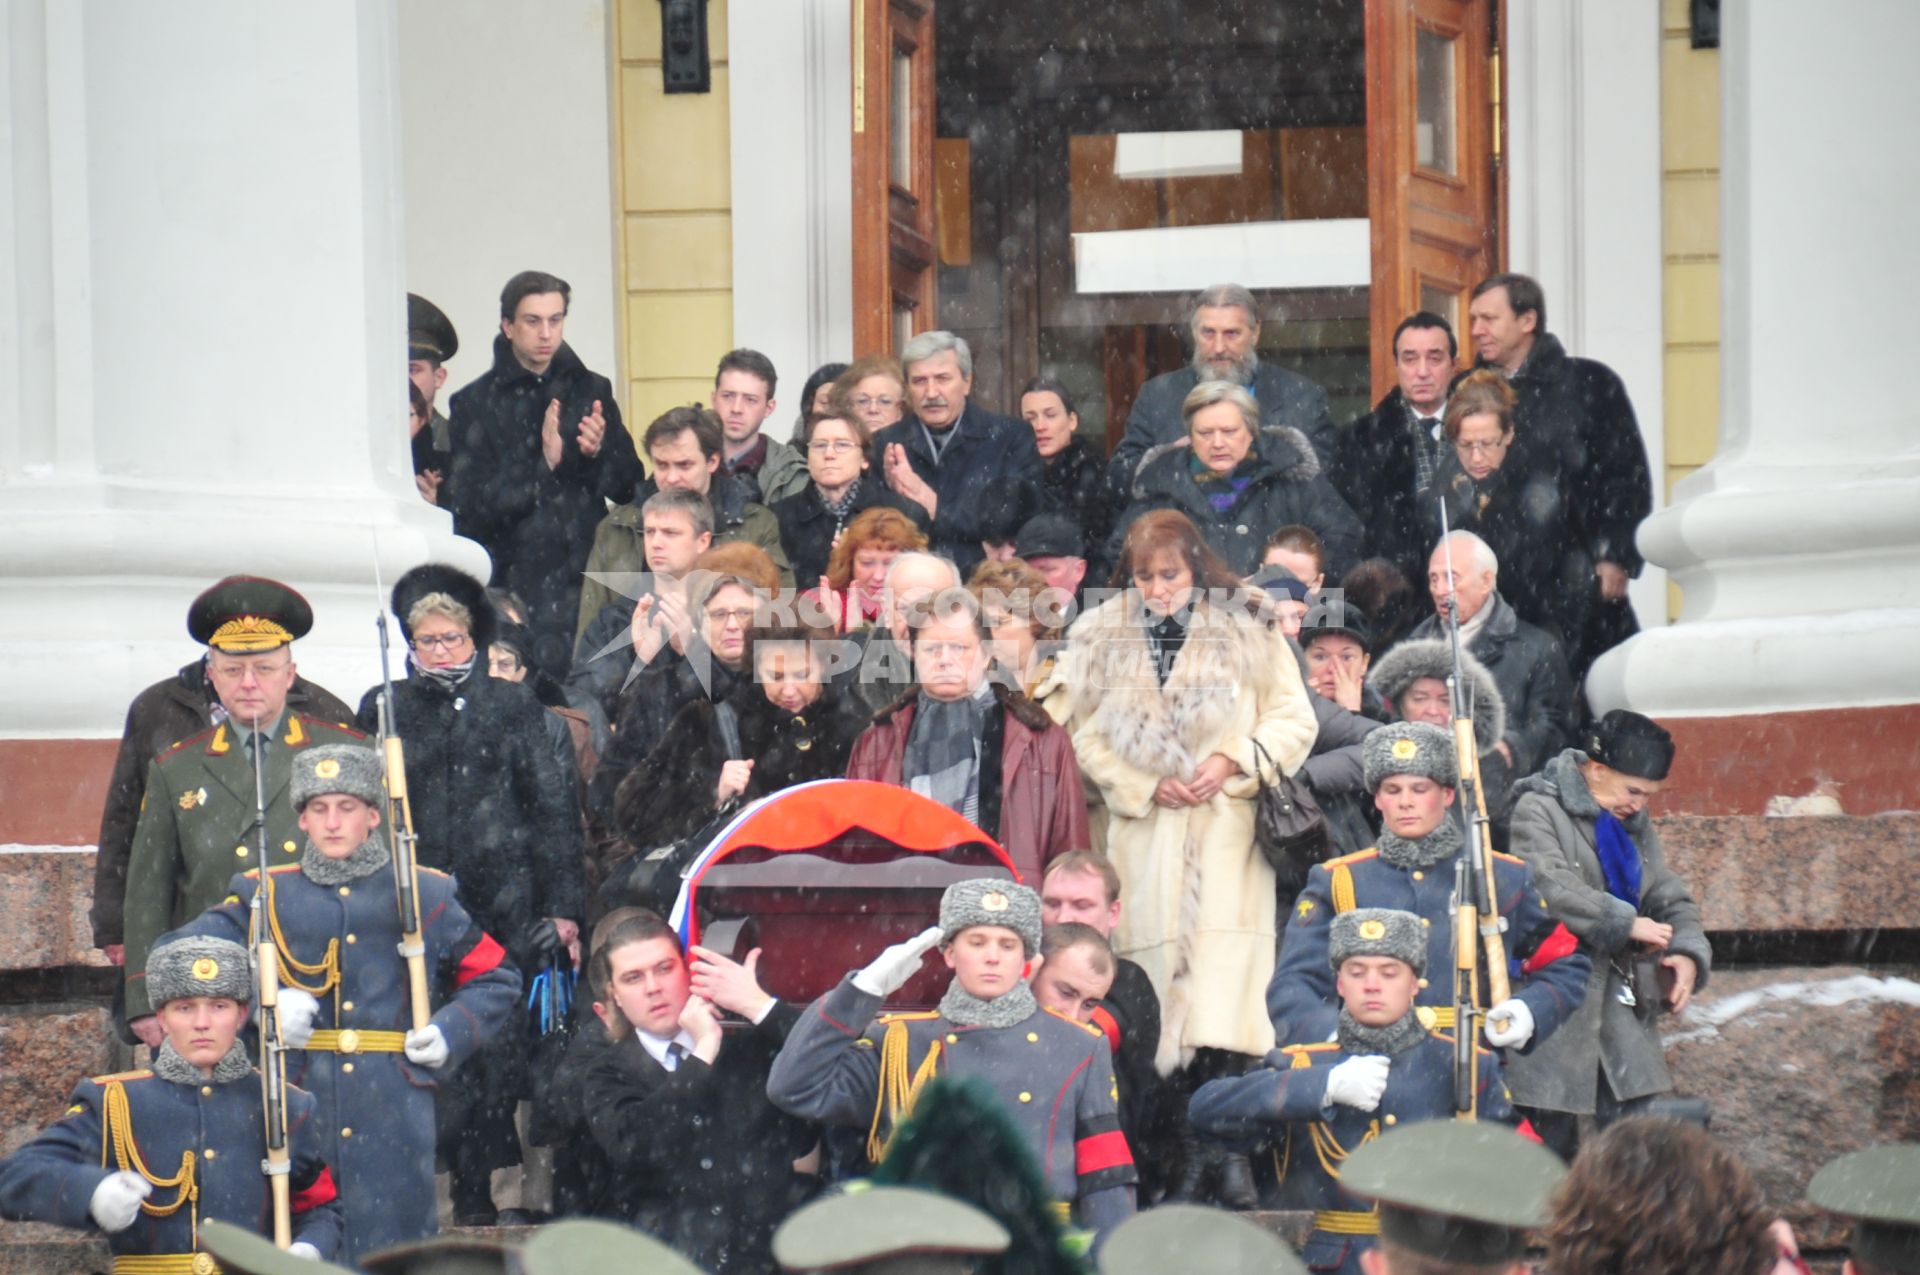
(160, 717)
(697, 1156)
(1287, 401)
(491, 804)
(647, 710)
(807, 528)
(1286, 487)
(1554, 831)
(1075, 483)
(1336, 776)
(1374, 471)
(1130, 1017)
(1523, 513)
(537, 523)
(984, 451)
(1030, 795)
(670, 794)
(882, 670)
(1530, 669)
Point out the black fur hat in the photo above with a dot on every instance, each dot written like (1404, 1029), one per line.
(438, 577)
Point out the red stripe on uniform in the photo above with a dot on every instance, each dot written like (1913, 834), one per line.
(1107, 1023)
(486, 955)
(320, 1191)
(1101, 1151)
(1527, 1131)
(1556, 945)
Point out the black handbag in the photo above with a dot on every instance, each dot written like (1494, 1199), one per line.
(1288, 824)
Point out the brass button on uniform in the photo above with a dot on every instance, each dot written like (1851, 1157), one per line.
(203, 1263)
(347, 1068)
(952, 1039)
(346, 1006)
(1419, 876)
(212, 1154)
(239, 852)
(289, 847)
(1423, 921)
(353, 938)
(346, 1133)
(344, 891)
(1026, 1097)
(1033, 1038)
(349, 1041)
(1391, 1120)
(206, 1091)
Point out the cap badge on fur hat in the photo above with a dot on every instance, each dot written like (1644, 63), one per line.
(206, 969)
(1371, 930)
(1405, 750)
(328, 769)
(993, 901)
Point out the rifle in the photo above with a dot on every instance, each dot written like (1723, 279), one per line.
(273, 1049)
(1475, 908)
(399, 819)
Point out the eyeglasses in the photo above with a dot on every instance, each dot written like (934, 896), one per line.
(865, 401)
(833, 446)
(742, 616)
(1481, 449)
(442, 642)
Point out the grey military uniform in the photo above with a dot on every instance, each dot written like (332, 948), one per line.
(1054, 1076)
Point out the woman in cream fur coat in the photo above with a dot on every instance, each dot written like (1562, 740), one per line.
(1170, 683)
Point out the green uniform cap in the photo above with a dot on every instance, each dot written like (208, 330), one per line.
(245, 615)
(1187, 1237)
(586, 1244)
(430, 333)
(1878, 1188)
(241, 1252)
(1459, 1191)
(891, 1228)
(445, 1255)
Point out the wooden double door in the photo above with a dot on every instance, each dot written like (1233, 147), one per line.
(1433, 182)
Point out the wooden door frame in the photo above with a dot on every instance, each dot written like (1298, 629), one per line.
(886, 250)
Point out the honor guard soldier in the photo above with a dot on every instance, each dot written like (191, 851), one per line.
(1189, 1237)
(1319, 1102)
(888, 1230)
(198, 821)
(847, 1064)
(1409, 767)
(1455, 1197)
(149, 1155)
(335, 919)
(1878, 1188)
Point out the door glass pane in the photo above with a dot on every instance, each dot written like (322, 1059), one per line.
(902, 90)
(902, 326)
(1433, 131)
(1441, 301)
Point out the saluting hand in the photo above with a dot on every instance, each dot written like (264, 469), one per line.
(552, 449)
(593, 431)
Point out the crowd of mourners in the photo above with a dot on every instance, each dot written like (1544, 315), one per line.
(1113, 666)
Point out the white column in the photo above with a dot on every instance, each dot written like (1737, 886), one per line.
(1798, 546)
(202, 319)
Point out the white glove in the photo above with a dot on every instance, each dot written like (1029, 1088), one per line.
(298, 1009)
(116, 1201)
(300, 1248)
(1517, 1020)
(427, 1046)
(1359, 1082)
(889, 971)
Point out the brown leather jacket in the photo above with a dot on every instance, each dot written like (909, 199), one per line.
(1042, 812)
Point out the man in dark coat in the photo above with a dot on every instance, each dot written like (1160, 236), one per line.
(492, 807)
(1279, 482)
(671, 1117)
(1226, 335)
(538, 451)
(162, 715)
(1526, 663)
(949, 452)
(1387, 458)
(1575, 411)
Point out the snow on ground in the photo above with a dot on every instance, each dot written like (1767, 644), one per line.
(1703, 1021)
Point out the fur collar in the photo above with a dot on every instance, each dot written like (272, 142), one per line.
(366, 859)
(1442, 843)
(961, 1006)
(1165, 730)
(170, 1066)
(1017, 706)
(1395, 1038)
(1562, 780)
(1285, 450)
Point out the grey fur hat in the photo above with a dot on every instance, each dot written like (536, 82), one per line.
(195, 966)
(1377, 932)
(991, 901)
(1415, 658)
(330, 768)
(1409, 748)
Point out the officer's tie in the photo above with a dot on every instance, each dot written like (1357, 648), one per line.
(675, 1053)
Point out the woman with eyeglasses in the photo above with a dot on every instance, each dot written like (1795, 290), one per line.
(873, 389)
(492, 805)
(1498, 487)
(811, 522)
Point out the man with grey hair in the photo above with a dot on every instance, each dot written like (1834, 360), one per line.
(1225, 322)
(884, 668)
(948, 453)
(1527, 663)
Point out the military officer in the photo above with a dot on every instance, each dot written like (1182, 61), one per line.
(334, 916)
(1409, 767)
(1454, 1196)
(893, 1229)
(1878, 1188)
(1318, 1102)
(148, 1155)
(847, 1064)
(1190, 1237)
(431, 341)
(198, 820)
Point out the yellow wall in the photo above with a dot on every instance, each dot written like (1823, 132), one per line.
(1690, 205)
(676, 249)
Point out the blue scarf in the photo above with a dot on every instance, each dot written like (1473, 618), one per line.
(1619, 858)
